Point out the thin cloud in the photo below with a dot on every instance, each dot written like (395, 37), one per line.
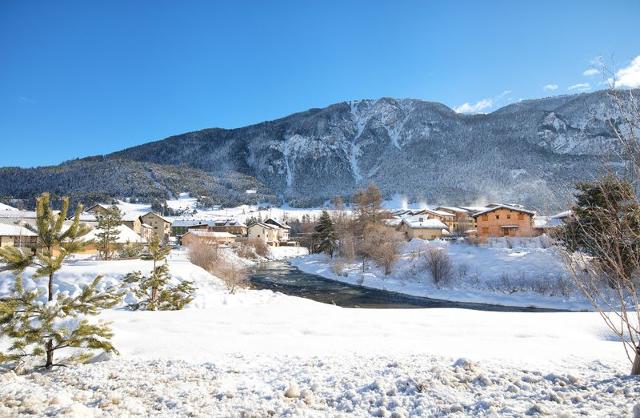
(630, 75)
(580, 87)
(550, 87)
(475, 107)
(590, 72)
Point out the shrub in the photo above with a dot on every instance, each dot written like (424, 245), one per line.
(439, 265)
(259, 246)
(202, 254)
(131, 250)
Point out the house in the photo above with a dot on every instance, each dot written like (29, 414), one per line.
(97, 209)
(181, 226)
(126, 235)
(500, 220)
(463, 220)
(266, 232)
(423, 228)
(17, 236)
(194, 236)
(231, 226)
(548, 224)
(132, 221)
(161, 225)
(283, 229)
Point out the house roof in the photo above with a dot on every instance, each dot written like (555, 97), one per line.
(281, 225)
(18, 214)
(424, 224)
(15, 231)
(97, 205)
(500, 206)
(264, 225)
(454, 209)
(125, 235)
(130, 216)
(209, 234)
(189, 222)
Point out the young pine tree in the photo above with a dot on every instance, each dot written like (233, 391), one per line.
(40, 322)
(154, 291)
(107, 232)
(324, 236)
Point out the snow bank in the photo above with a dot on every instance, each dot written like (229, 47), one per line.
(524, 275)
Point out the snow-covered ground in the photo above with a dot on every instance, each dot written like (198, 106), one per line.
(527, 274)
(259, 353)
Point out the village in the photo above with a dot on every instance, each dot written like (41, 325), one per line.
(474, 224)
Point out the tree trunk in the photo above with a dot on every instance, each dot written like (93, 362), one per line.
(635, 369)
(49, 346)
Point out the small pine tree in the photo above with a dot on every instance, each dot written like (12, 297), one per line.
(324, 236)
(251, 221)
(107, 232)
(40, 329)
(154, 292)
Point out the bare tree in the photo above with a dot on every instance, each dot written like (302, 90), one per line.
(381, 244)
(439, 264)
(601, 244)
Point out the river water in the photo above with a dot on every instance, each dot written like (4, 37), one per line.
(284, 278)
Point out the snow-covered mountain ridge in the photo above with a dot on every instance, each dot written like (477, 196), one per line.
(531, 152)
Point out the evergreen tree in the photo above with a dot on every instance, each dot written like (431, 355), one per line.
(154, 291)
(107, 232)
(38, 322)
(251, 221)
(324, 236)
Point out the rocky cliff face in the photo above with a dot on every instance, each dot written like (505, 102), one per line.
(530, 152)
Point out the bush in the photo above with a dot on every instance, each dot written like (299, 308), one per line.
(439, 265)
(381, 244)
(259, 246)
(131, 250)
(338, 268)
(204, 255)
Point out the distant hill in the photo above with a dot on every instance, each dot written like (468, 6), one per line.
(530, 152)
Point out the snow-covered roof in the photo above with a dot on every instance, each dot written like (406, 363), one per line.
(264, 225)
(424, 223)
(281, 225)
(454, 209)
(210, 234)
(189, 222)
(130, 216)
(500, 206)
(15, 231)
(18, 214)
(6, 207)
(125, 235)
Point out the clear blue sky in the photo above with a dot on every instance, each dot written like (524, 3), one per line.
(81, 78)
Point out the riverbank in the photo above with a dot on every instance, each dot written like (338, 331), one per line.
(523, 276)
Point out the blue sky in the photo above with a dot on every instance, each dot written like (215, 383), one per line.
(85, 78)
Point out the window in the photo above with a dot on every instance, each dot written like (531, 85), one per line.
(485, 217)
(508, 216)
(521, 216)
(497, 216)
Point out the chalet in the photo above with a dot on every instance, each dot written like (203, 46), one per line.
(549, 224)
(193, 236)
(161, 226)
(283, 229)
(231, 226)
(500, 220)
(98, 209)
(266, 232)
(463, 220)
(423, 228)
(17, 236)
(181, 226)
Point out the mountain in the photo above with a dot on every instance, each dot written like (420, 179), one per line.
(530, 152)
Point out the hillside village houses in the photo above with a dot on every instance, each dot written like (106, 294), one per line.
(161, 225)
(193, 236)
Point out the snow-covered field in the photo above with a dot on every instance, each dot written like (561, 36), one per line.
(525, 275)
(259, 353)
